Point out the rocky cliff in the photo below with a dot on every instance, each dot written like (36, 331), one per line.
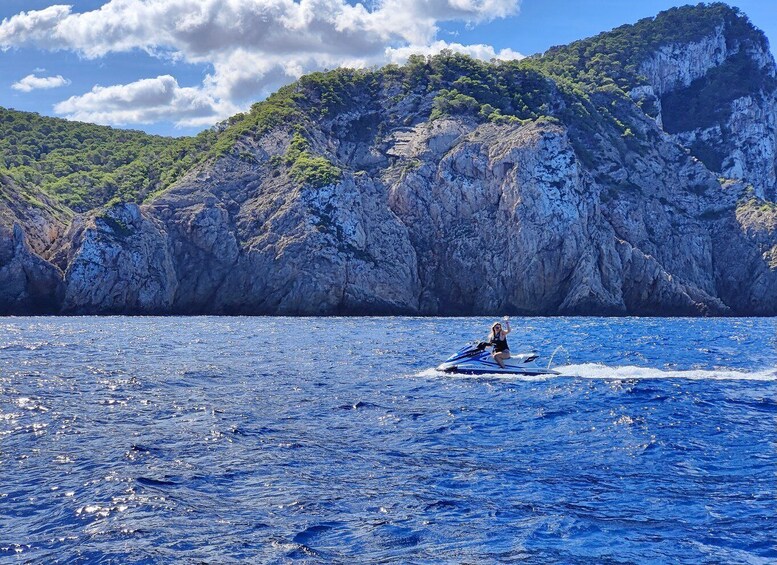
(585, 181)
(717, 97)
(29, 224)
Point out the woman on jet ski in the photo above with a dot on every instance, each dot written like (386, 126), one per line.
(497, 339)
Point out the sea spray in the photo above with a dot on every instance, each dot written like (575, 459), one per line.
(553, 355)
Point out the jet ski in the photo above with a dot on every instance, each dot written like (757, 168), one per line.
(473, 359)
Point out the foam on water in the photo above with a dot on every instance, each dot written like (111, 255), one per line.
(626, 372)
(599, 371)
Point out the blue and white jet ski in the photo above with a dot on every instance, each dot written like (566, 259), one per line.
(474, 359)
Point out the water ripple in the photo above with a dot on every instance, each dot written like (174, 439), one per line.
(137, 440)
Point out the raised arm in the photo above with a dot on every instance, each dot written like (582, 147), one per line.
(506, 326)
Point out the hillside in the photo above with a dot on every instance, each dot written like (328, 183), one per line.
(85, 166)
(631, 172)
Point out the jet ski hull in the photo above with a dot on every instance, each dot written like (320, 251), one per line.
(473, 361)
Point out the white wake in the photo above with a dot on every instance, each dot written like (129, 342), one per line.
(624, 372)
(599, 371)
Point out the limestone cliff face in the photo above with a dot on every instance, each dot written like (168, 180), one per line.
(118, 261)
(391, 202)
(677, 65)
(508, 219)
(28, 284)
(466, 218)
(272, 246)
(28, 225)
(735, 72)
(502, 218)
(747, 242)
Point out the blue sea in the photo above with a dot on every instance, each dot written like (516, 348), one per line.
(333, 440)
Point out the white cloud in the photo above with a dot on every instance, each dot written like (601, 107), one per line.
(32, 82)
(142, 102)
(253, 45)
(417, 20)
(400, 55)
(36, 27)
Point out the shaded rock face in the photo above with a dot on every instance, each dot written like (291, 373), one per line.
(747, 242)
(43, 220)
(28, 283)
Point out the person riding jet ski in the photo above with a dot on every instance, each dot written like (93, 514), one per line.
(473, 359)
(497, 340)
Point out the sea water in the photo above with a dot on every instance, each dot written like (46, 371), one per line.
(145, 440)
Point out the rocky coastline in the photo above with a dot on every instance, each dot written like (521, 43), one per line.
(425, 213)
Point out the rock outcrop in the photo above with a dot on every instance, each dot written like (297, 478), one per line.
(29, 224)
(119, 261)
(746, 242)
(717, 96)
(28, 283)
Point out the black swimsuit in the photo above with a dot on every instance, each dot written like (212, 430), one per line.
(499, 344)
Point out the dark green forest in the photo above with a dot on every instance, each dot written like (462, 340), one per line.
(85, 165)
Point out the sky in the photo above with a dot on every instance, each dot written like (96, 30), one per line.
(176, 67)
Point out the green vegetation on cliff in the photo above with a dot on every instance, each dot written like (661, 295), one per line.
(86, 165)
(613, 57)
(309, 169)
(502, 91)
